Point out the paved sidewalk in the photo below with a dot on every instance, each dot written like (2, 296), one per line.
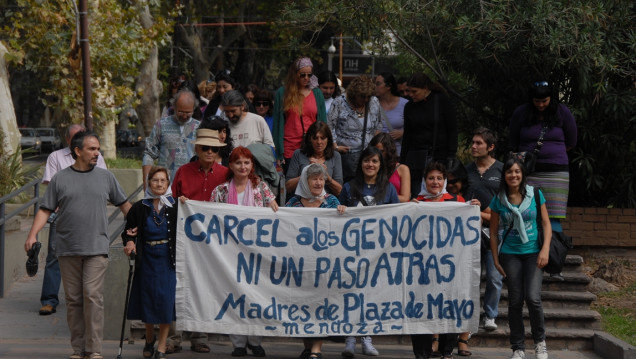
(25, 334)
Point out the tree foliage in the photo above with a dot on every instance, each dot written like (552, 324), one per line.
(488, 52)
(42, 36)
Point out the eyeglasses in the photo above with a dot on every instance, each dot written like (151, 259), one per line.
(541, 84)
(156, 180)
(303, 75)
(261, 103)
(207, 148)
(185, 113)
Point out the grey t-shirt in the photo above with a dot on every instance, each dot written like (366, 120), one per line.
(82, 219)
(485, 187)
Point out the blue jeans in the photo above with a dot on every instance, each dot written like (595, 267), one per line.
(493, 286)
(523, 279)
(52, 276)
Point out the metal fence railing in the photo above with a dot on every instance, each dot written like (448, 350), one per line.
(35, 202)
(4, 218)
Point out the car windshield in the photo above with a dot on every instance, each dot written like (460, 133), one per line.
(27, 132)
(45, 132)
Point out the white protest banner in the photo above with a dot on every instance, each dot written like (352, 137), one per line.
(392, 269)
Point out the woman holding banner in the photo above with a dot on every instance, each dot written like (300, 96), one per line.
(244, 188)
(151, 234)
(434, 190)
(369, 187)
(310, 193)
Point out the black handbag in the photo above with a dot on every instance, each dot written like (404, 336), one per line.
(559, 245)
(529, 158)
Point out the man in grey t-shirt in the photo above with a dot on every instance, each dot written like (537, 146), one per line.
(484, 177)
(81, 192)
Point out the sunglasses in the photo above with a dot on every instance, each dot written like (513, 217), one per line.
(303, 75)
(261, 103)
(207, 148)
(541, 84)
(452, 181)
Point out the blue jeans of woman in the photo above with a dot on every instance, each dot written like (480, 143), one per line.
(523, 279)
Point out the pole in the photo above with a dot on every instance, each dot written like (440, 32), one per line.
(341, 79)
(86, 65)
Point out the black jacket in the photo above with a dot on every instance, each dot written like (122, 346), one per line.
(137, 218)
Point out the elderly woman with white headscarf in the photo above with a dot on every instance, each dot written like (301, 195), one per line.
(151, 233)
(310, 192)
(297, 105)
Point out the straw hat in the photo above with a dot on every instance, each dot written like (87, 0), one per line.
(207, 137)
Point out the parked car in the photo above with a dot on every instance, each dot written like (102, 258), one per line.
(30, 139)
(50, 139)
(128, 138)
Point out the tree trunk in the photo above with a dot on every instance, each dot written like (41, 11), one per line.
(8, 125)
(148, 87)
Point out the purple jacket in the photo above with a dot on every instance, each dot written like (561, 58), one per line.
(555, 140)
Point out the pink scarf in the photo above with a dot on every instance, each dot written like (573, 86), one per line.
(248, 197)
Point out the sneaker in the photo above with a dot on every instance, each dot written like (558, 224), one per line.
(540, 350)
(368, 348)
(557, 276)
(93, 356)
(489, 323)
(518, 354)
(77, 355)
(350, 347)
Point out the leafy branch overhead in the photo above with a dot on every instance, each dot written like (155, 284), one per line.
(488, 52)
(43, 33)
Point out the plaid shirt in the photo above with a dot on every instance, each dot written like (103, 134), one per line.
(170, 144)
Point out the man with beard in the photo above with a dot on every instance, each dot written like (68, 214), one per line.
(56, 162)
(80, 192)
(246, 127)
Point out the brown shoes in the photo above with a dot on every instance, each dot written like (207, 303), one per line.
(47, 309)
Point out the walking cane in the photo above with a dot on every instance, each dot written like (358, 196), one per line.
(131, 271)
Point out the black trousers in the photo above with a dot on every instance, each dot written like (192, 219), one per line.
(422, 344)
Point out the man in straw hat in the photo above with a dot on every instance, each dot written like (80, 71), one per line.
(196, 180)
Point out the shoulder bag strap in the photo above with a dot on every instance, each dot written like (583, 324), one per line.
(506, 234)
(540, 140)
(537, 202)
(364, 126)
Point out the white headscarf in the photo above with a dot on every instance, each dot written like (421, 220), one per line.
(303, 190)
(426, 194)
(164, 199)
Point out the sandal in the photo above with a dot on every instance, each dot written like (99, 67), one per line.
(315, 355)
(462, 352)
(305, 354)
(149, 348)
(200, 348)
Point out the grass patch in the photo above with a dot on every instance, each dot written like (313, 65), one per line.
(620, 322)
(618, 312)
(123, 163)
